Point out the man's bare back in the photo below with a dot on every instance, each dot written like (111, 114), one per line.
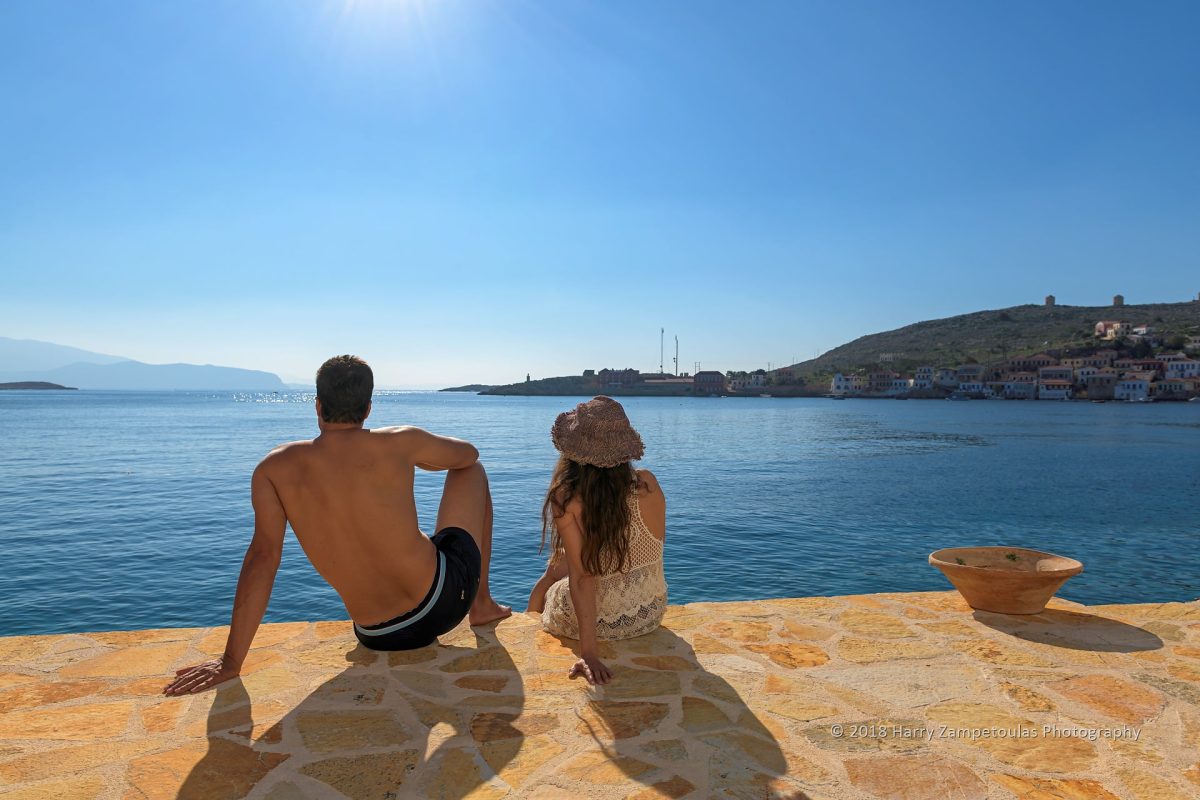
(349, 498)
(348, 495)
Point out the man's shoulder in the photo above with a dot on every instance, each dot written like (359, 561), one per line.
(285, 453)
(396, 430)
(398, 436)
(400, 432)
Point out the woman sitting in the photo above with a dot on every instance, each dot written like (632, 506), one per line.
(607, 523)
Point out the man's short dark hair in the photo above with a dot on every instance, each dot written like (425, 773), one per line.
(344, 386)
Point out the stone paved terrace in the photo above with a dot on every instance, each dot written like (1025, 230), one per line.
(728, 700)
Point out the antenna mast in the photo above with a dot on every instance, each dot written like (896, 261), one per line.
(676, 356)
(661, 331)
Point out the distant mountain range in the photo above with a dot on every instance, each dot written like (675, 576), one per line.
(30, 360)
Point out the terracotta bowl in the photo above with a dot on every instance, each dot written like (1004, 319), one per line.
(1005, 580)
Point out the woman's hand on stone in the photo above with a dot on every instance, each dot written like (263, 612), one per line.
(592, 669)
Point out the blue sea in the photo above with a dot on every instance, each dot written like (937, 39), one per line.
(123, 510)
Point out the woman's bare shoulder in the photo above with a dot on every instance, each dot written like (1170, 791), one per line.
(647, 483)
(572, 513)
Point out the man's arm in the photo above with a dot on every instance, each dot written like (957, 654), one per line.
(253, 591)
(432, 452)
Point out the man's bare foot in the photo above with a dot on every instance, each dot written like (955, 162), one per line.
(488, 611)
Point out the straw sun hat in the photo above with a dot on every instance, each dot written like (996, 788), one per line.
(598, 433)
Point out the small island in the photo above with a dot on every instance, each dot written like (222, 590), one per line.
(42, 385)
(471, 387)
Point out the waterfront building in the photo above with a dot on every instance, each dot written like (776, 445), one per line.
(786, 376)
(923, 378)
(1102, 385)
(844, 384)
(1058, 373)
(1083, 373)
(881, 382)
(969, 373)
(946, 378)
(900, 386)
(747, 380)
(1019, 390)
(1184, 368)
(1133, 387)
(708, 382)
(617, 378)
(668, 380)
(1172, 388)
(1054, 390)
(973, 387)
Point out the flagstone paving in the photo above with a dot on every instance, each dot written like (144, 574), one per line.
(890, 696)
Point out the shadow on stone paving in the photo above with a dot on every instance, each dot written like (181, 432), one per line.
(1074, 630)
(670, 724)
(366, 731)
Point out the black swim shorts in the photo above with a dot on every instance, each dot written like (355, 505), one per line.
(455, 581)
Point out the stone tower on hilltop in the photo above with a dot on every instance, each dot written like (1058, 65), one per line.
(1118, 300)
(1049, 300)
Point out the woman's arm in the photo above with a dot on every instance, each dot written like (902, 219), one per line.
(583, 596)
(556, 570)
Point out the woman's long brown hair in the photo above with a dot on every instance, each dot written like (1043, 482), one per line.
(603, 492)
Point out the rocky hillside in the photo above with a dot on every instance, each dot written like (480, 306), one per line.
(998, 334)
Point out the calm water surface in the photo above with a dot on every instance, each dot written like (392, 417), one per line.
(123, 510)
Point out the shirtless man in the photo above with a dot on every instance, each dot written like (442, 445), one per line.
(348, 495)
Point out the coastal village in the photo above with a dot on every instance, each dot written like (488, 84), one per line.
(1151, 355)
(1130, 362)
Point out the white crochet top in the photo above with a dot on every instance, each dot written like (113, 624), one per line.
(628, 603)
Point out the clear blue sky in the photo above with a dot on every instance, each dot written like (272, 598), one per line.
(469, 191)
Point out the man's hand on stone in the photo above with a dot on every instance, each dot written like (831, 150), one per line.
(190, 680)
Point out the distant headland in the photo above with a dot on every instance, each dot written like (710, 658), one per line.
(997, 339)
(477, 388)
(41, 385)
